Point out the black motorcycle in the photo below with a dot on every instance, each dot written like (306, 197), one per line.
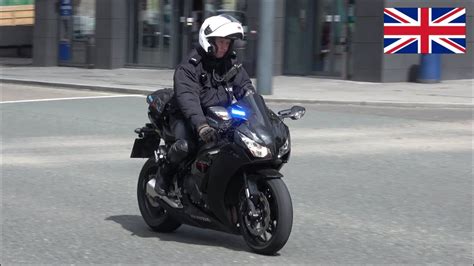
(233, 185)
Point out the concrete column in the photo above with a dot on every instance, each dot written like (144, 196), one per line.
(367, 41)
(45, 33)
(111, 33)
(265, 47)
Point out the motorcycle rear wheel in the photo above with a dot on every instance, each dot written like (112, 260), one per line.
(274, 203)
(154, 215)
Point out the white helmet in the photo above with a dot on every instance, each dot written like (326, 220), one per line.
(219, 26)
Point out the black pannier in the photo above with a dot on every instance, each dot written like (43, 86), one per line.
(159, 99)
(160, 104)
(159, 107)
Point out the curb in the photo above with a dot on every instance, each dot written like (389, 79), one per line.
(75, 86)
(269, 100)
(373, 103)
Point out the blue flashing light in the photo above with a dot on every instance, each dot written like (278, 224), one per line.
(237, 113)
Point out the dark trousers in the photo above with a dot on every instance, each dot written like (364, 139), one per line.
(182, 132)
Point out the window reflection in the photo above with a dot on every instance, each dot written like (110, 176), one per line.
(155, 19)
(149, 17)
(235, 8)
(83, 19)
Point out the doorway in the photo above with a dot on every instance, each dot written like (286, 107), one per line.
(164, 31)
(77, 33)
(316, 40)
(154, 33)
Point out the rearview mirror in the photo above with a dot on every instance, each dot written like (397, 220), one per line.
(218, 112)
(296, 112)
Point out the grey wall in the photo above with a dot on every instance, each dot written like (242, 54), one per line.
(111, 33)
(279, 38)
(367, 42)
(402, 67)
(45, 33)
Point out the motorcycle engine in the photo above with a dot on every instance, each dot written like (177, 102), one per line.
(191, 187)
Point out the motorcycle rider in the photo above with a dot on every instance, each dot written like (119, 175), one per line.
(209, 76)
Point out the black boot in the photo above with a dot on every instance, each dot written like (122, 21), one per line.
(163, 180)
(177, 152)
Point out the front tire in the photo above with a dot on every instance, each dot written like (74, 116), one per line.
(270, 232)
(155, 216)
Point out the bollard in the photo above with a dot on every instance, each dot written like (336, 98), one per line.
(430, 68)
(64, 51)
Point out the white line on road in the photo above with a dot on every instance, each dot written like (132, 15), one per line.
(74, 98)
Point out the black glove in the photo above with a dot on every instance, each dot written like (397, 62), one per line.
(207, 133)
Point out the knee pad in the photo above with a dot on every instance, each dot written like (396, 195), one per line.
(178, 151)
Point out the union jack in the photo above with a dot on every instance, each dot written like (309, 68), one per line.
(425, 30)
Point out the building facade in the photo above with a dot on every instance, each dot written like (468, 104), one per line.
(16, 27)
(340, 39)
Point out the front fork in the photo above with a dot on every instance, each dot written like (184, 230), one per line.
(251, 193)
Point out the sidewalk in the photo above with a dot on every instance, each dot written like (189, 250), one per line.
(450, 93)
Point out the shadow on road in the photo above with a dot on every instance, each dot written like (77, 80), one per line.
(184, 234)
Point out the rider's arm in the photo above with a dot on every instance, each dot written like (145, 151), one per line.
(242, 84)
(186, 89)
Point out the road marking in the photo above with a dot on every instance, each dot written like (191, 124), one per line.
(74, 98)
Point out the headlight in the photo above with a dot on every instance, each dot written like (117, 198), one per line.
(284, 149)
(256, 149)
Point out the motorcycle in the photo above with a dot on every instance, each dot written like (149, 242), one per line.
(233, 185)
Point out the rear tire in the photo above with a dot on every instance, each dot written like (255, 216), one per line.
(154, 215)
(281, 218)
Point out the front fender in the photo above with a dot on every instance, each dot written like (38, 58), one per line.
(269, 173)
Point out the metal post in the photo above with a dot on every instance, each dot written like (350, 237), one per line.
(265, 47)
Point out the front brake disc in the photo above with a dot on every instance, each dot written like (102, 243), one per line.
(258, 226)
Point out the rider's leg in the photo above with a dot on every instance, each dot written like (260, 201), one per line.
(183, 146)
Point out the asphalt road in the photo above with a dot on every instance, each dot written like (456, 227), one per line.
(369, 185)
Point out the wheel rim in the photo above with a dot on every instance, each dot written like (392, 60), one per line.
(262, 229)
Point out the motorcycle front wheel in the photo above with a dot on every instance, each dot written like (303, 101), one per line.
(155, 216)
(267, 230)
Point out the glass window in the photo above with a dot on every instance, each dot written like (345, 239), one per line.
(235, 8)
(154, 32)
(149, 16)
(83, 19)
(155, 19)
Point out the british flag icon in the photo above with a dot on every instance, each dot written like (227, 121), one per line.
(425, 30)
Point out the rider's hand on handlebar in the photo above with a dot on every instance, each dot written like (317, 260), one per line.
(207, 133)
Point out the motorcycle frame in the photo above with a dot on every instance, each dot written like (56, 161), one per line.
(224, 184)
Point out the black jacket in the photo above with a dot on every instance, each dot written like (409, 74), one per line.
(195, 88)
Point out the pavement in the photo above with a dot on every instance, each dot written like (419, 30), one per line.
(291, 89)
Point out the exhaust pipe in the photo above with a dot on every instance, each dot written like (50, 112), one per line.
(150, 191)
(150, 188)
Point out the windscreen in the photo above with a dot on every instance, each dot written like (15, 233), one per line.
(258, 125)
